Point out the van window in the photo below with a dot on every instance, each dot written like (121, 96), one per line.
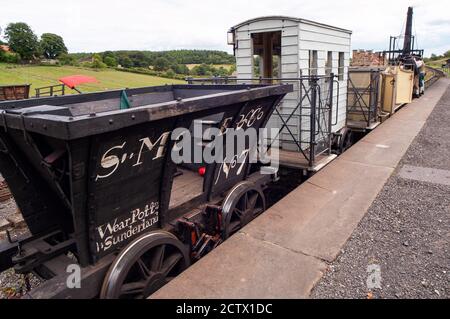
(341, 66)
(313, 62)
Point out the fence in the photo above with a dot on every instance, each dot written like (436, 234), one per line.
(58, 89)
(304, 117)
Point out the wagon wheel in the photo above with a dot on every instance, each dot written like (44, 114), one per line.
(346, 140)
(241, 205)
(144, 266)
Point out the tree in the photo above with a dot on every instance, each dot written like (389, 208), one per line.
(110, 61)
(97, 62)
(108, 54)
(180, 69)
(22, 40)
(447, 54)
(52, 45)
(161, 64)
(170, 73)
(126, 62)
(67, 59)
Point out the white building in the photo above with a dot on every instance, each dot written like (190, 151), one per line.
(289, 48)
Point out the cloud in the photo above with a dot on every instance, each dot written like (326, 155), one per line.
(89, 26)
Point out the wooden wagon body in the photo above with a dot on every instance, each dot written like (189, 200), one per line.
(93, 179)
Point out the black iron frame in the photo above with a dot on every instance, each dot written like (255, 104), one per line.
(369, 110)
(318, 110)
(393, 55)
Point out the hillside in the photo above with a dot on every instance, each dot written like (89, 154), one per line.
(39, 76)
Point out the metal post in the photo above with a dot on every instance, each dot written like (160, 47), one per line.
(330, 114)
(371, 83)
(312, 128)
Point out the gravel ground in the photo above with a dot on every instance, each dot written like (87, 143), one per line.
(11, 284)
(402, 245)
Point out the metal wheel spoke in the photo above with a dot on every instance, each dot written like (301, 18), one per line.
(245, 200)
(239, 213)
(144, 270)
(252, 201)
(132, 288)
(170, 263)
(158, 257)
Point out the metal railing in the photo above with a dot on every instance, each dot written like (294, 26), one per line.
(306, 125)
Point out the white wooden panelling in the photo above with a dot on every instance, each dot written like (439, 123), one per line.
(244, 44)
(311, 45)
(289, 59)
(291, 68)
(323, 38)
(289, 49)
(290, 40)
(304, 26)
(243, 53)
(243, 35)
(247, 69)
(289, 31)
(244, 61)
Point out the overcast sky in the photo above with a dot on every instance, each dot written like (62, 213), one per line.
(99, 25)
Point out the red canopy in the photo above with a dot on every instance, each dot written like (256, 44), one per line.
(74, 80)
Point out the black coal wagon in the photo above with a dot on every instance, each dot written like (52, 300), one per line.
(94, 179)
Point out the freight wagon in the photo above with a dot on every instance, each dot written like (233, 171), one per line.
(94, 178)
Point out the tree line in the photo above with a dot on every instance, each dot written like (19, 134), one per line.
(174, 61)
(27, 47)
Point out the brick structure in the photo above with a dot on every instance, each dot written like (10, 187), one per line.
(367, 58)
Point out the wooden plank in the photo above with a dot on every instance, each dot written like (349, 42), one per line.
(185, 187)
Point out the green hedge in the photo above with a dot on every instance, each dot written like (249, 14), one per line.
(167, 75)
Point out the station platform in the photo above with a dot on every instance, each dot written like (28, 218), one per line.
(285, 251)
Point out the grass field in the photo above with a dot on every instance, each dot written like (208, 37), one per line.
(437, 63)
(39, 76)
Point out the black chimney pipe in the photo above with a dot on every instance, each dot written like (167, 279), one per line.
(408, 33)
